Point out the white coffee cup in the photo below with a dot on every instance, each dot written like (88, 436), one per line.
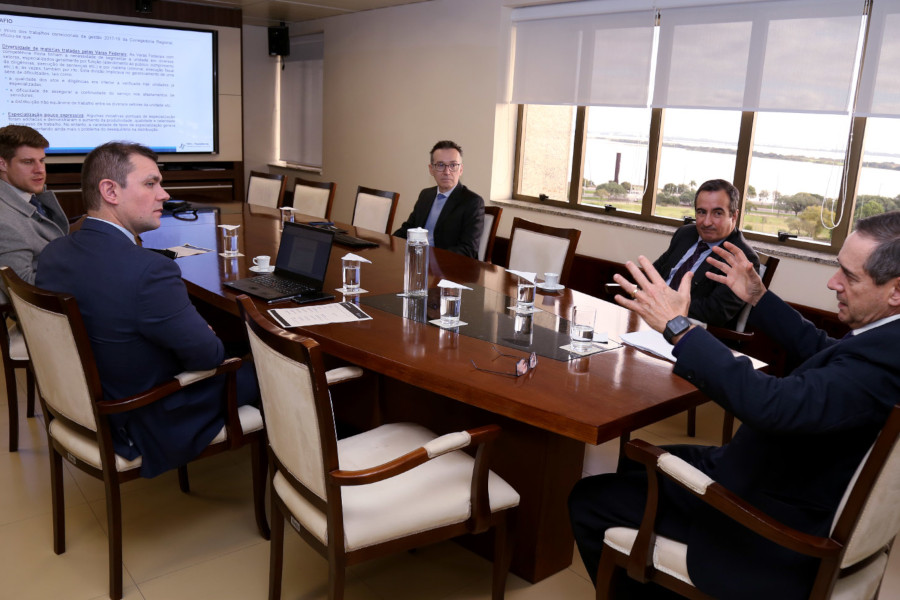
(262, 262)
(551, 280)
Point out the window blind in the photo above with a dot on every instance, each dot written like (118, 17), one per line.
(879, 88)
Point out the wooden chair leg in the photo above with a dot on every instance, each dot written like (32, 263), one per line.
(337, 572)
(57, 501)
(503, 542)
(12, 399)
(276, 551)
(727, 427)
(183, 482)
(31, 386)
(606, 575)
(692, 421)
(259, 468)
(114, 530)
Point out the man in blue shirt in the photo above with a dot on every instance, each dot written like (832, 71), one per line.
(452, 214)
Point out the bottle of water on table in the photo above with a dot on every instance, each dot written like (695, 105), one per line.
(415, 268)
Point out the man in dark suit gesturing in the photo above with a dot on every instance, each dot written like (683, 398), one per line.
(716, 211)
(141, 323)
(802, 437)
(451, 212)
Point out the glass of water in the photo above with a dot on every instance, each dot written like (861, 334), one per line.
(230, 241)
(525, 296)
(581, 328)
(350, 275)
(451, 301)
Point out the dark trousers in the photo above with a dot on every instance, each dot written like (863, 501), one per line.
(617, 500)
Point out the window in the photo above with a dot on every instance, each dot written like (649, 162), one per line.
(546, 156)
(302, 83)
(770, 95)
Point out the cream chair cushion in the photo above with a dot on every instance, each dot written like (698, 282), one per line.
(434, 494)
(264, 191)
(537, 252)
(669, 556)
(312, 201)
(485, 235)
(372, 212)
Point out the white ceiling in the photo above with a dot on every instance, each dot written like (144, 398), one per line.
(272, 12)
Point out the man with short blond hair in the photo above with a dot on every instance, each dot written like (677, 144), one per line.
(30, 215)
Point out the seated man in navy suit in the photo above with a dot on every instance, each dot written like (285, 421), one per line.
(451, 212)
(802, 436)
(716, 211)
(141, 323)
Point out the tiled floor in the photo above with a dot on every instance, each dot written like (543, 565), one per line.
(205, 545)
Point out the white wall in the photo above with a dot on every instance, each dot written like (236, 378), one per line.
(399, 79)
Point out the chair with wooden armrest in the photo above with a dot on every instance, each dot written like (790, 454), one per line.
(738, 338)
(15, 356)
(76, 413)
(853, 557)
(314, 198)
(393, 488)
(489, 232)
(375, 209)
(541, 249)
(266, 189)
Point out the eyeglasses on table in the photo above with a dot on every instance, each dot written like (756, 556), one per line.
(523, 364)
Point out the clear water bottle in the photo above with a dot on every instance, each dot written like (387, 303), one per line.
(415, 268)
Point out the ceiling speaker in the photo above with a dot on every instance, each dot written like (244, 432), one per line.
(279, 42)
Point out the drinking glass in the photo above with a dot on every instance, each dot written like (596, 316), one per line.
(230, 242)
(525, 296)
(287, 215)
(581, 328)
(350, 275)
(451, 301)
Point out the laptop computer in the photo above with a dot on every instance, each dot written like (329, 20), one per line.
(342, 238)
(299, 267)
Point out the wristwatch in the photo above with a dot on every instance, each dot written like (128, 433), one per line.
(676, 327)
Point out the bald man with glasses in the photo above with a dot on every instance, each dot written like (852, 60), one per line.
(451, 212)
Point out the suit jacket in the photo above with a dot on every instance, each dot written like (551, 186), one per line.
(143, 330)
(24, 232)
(458, 228)
(802, 438)
(711, 302)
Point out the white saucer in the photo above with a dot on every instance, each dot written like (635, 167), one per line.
(550, 288)
(257, 269)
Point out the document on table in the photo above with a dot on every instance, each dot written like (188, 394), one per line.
(650, 341)
(304, 316)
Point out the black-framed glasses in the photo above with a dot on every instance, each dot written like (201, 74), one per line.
(523, 365)
(440, 166)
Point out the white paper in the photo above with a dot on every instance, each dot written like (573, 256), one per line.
(187, 251)
(305, 316)
(523, 274)
(356, 257)
(650, 341)
(229, 226)
(446, 283)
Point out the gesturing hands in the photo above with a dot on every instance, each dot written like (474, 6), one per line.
(651, 298)
(739, 274)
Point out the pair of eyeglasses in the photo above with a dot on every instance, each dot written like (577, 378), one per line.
(439, 166)
(523, 365)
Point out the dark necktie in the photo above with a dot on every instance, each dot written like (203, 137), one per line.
(686, 265)
(40, 207)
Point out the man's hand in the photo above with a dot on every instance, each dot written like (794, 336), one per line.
(739, 274)
(651, 298)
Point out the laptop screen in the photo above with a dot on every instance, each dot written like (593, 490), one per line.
(304, 251)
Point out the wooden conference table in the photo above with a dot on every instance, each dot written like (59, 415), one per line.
(427, 375)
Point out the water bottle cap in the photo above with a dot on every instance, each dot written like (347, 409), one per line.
(417, 234)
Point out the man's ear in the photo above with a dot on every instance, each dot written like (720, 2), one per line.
(3, 166)
(894, 298)
(109, 191)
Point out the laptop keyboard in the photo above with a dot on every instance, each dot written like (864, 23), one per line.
(283, 285)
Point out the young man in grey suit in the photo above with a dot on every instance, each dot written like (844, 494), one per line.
(802, 437)
(30, 217)
(716, 212)
(451, 212)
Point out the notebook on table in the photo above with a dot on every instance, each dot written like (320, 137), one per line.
(300, 267)
(342, 237)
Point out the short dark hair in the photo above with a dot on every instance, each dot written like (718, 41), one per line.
(13, 137)
(109, 161)
(884, 262)
(715, 185)
(445, 145)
